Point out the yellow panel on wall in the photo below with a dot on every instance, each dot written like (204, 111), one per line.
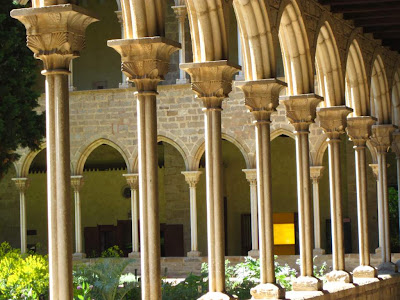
(284, 234)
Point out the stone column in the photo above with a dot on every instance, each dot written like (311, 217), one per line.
(240, 75)
(192, 178)
(212, 82)
(333, 121)
(381, 140)
(71, 86)
(133, 181)
(22, 185)
(301, 112)
(396, 150)
(145, 61)
(251, 176)
(375, 171)
(262, 98)
(359, 131)
(56, 35)
(77, 183)
(181, 13)
(316, 174)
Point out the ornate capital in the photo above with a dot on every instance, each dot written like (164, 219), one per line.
(22, 184)
(396, 143)
(251, 176)
(333, 120)
(180, 12)
(316, 173)
(132, 180)
(381, 137)
(301, 110)
(211, 81)
(359, 129)
(77, 182)
(145, 61)
(55, 34)
(261, 96)
(192, 177)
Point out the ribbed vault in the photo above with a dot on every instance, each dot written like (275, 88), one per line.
(380, 99)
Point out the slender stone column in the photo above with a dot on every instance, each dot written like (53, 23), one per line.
(22, 185)
(71, 86)
(251, 176)
(262, 98)
(56, 35)
(316, 174)
(212, 82)
(133, 181)
(77, 183)
(145, 61)
(333, 121)
(381, 140)
(396, 150)
(301, 112)
(375, 171)
(181, 13)
(359, 131)
(192, 178)
(124, 84)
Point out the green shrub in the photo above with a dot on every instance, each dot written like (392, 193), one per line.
(113, 251)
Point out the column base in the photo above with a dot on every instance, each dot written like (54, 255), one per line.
(378, 250)
(318, 251)
(182, 81)
(364, 272)
(71, 88)
(216, 296)
(254, 253)
(194, 254)
(266, 291)
(307, 283)
(77, 256)
(338, 276)
(387, 268)
(134, 255)
(124, 85)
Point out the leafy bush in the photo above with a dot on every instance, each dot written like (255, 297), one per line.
(113, 251)
(22, 276)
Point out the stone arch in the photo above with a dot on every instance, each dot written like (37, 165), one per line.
(26, 164)
(200, 151)
(380, 99)
(396, 99)
(259, 60)
(89, 149)
(356, 85)
(281, 131)
(329, 70)
(162, 138)
(296, 50)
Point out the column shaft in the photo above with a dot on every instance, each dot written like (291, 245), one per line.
(58, 182)
(148, 191)
(22, 217)
(78, 225)
(193, 219)
(135, 220)
(317, 219)
(398, 186)
(382, 182)
(182, 52)
(215, 206)
(362, 205)
(254, 216)
(267, 270)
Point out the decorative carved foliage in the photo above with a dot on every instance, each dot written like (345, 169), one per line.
(55, 34)
(333, 120)
(192, 177)
(132, 180)
(359, 129)
(381, 137)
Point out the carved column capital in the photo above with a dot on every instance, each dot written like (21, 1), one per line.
(145, 61)
(192, 177)
(396, 143)
(301, 110)
(251, 176)
(381, 137)
(119, 17)
(77, 182)
(333, 120)
(211, 81)
(55, 34)
(316, 173)
(359, 129)
(375, 170)
(261, 96)
(22, 184)
(180, 12)
(132, 180)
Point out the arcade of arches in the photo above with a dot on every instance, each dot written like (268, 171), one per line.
(295, 162)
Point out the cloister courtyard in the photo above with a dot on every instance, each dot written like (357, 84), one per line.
(190, 132)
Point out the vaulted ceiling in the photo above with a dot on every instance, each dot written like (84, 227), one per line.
(379, 17)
